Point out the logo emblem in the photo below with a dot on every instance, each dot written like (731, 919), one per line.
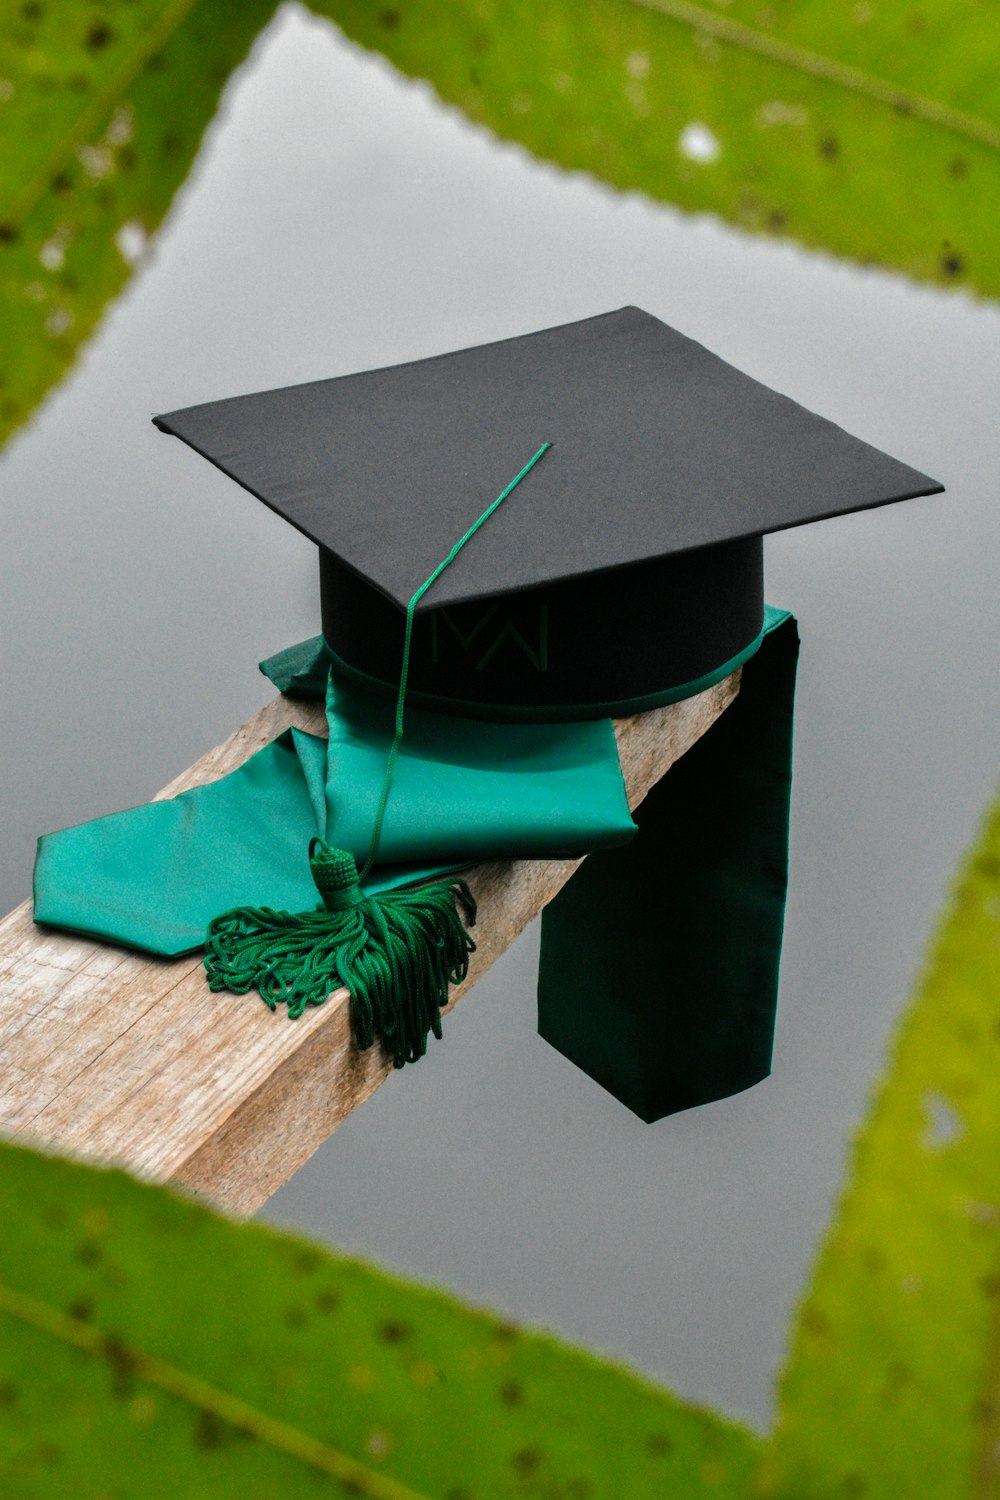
(492, 630)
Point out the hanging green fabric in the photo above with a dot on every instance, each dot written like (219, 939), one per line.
(659, 963)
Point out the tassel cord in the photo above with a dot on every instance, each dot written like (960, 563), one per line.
(407, 642)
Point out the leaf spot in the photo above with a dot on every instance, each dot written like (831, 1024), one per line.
(379, 1444)
(637, 65)
(100, 35)
(121, 126)
(97, 161)
(527, 1460)
(698, 143)
(52, 254)
(362, 1377)
(394, 1332)
(511, 1393)
(814, 1321)
(131, 240)
(986, 1214)
(777, 112)
(209, 1432)
(944, 1124)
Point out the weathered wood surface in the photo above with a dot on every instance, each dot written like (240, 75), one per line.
(113, 1056)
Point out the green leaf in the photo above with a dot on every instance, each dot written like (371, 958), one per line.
(893, 1385)
(102, 108)
(149, 1347)
(870, 129)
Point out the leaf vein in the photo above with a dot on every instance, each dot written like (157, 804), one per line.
(203, 1395)
(843, 75)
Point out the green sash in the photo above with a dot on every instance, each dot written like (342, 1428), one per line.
(659, 965)
(659, 959)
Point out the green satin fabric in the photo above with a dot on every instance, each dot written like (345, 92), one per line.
(467, 789)
(462, 791)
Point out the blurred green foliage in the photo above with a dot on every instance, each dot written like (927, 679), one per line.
(147, 1347)
(870, 129)
(893, 1384)
(102, 110)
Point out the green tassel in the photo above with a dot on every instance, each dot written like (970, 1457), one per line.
(397, 952)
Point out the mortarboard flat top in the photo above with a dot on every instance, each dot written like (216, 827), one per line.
(660, 447)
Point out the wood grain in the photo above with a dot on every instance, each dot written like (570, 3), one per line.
(118, 1057)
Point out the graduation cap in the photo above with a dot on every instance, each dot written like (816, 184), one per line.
(516, 542)
(629, 565)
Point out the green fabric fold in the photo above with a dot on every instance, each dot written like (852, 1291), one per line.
(153, 877)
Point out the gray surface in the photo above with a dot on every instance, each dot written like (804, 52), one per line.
(363, 224)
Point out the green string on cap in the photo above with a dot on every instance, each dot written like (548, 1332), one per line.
(396, 952)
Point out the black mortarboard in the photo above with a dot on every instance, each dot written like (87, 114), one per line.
(629, 566)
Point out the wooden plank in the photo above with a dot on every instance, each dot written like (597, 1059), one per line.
(114, 1056)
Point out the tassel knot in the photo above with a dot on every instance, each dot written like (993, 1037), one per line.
(396, 952)
(336, 877)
